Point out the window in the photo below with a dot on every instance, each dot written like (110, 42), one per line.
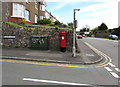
(26, 1)
(41, 17)
(36, 17)
(18, 10)
(42, 7)
(14, 9)
(27, 15)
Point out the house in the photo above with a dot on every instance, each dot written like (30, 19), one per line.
(50, 16)
(16, 11)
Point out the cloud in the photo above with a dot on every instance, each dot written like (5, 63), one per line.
(63, 3)
(83, 1)
(60, 5)
(106, 12)
(108, 1)
(66, 0)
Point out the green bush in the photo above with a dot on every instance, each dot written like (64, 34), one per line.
(64, 25)
(23, 21)
(44, 21)
(57, 23)
(70, 27)
(56, 27)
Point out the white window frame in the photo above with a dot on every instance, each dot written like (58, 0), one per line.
(27, 1)
(18, 10)
(36, 18)
(42, 7)
(27, 15)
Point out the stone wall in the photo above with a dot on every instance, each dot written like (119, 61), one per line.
(22, 36)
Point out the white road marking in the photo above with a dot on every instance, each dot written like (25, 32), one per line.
(27, 54)
(90, 55)
(108, 68)
(115, 75)
(111, 64)
(55, 82)
(117, 69)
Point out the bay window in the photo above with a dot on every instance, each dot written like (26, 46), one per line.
(27, 15)
(18, 10)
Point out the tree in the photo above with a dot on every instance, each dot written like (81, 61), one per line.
(85, 28)
(70, 25)
(116, 31)
(94, 31)
(102, 27)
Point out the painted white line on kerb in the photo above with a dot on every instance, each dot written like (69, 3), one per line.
(115, 75)
(117, 69)
(90, 55)
(108, 69)
(55, 82)
(111, 64)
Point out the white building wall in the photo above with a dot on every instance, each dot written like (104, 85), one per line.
(47, 15)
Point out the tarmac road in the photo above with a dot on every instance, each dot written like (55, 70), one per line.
(109, 47)
(23, 73)
(16, 73)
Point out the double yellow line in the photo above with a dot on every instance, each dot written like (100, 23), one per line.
(106, 58)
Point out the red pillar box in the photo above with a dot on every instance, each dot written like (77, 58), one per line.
(63, 41)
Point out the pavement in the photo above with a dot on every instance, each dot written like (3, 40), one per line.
(86, 55)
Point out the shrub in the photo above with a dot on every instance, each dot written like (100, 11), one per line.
(23, 21)
(44, 21)
(63, 25)
(57, 23)
(70, 27)
(40, 21)
(56, 27)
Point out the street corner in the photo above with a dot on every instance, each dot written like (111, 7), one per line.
(103, 59)
(82, 60)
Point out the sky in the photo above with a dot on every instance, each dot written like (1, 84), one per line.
(92, 12)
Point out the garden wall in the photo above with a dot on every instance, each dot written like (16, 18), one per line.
(22, 36)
